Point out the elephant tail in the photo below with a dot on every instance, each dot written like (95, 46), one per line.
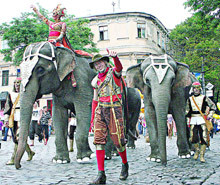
(132, 135)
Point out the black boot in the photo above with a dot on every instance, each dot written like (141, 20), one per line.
(124, 172)
(100, 179)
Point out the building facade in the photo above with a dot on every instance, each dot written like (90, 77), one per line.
(133, 35)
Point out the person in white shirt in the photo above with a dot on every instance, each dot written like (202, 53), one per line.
(72, 128)
(198, 130)
(35, 127)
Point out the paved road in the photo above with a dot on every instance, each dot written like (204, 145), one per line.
(178, 171)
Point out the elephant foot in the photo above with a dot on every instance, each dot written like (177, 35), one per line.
(131, 146)
(83, 160)
(87, 158)
(60, 160)
(153, 158)
(184, 155)
(187, 156)
(108, 157)
(115, 154)
(92, 155)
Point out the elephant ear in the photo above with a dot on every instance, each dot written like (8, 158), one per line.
(66, 61)
(134, 77)
(183, 77)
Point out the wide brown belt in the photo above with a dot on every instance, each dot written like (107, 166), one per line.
(109, 104)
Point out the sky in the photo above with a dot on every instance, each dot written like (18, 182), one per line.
(169, 12)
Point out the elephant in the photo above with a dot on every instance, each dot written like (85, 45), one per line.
(134, 106)
(47, 69)
(165, 85)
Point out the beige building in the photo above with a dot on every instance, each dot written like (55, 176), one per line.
(133, 35)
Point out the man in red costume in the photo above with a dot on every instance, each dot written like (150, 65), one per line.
(107, 112)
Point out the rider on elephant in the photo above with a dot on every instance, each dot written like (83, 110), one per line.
(12, 116)
(57, 32)
(198, 128)
(107, 112)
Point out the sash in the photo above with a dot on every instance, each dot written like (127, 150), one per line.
(11, 117)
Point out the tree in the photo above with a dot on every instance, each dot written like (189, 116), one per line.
(28, 28)
(205, 7)
(196, 41)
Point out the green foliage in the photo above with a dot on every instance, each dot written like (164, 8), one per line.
(197, 40)
(80, 35)
(205, 7)
(28, 28)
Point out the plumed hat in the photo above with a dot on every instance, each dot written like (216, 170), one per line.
(98, 57)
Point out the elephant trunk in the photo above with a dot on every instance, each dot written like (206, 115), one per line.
(27, 100)
(161, 106)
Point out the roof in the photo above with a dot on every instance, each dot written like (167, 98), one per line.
(141, 14)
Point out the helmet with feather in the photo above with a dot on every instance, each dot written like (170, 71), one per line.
(59, 11)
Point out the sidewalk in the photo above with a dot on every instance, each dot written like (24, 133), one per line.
(41, 170)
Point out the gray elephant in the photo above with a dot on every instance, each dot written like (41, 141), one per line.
(164, 84)
(47, 69)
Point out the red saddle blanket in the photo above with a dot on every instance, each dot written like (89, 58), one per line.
(83, 53)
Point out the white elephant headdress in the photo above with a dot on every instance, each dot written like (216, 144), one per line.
(30, 61)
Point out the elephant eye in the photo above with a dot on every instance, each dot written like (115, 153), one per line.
(40, 70)
(148, 82)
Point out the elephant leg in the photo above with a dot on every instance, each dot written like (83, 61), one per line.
(60, 120)
(152, 130)
(178, 112)
(108, 148)
(83, 116)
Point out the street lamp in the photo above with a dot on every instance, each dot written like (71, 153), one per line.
(203, 78)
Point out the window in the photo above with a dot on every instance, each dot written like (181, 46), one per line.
(103, 33)
(141, 30)
(18, 72)
(158, 38)
(163, 43)
(5, 75)
(49, 106)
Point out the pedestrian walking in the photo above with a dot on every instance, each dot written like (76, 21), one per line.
(72, 128)
(197, 103)
(107, 112)
(6, 127)
(12, 118)
(45, 118)
(170, 125)
(35, 127)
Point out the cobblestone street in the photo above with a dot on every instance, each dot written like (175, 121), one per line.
(41, 170)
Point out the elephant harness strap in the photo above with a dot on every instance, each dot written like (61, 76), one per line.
(159, 68)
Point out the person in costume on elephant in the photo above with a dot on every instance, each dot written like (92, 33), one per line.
(107, 112)
(12, 116)
(57, 30)
(198, 132)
